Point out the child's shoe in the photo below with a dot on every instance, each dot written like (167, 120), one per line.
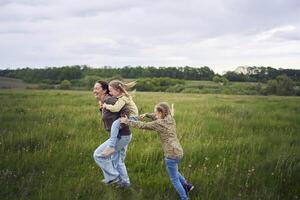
(108, 151)
(188, 187)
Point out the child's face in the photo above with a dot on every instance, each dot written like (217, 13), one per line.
(114, 92)
(158, 114)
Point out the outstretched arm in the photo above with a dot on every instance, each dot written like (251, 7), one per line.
(151, 116)
(154, 125)
(148, 115)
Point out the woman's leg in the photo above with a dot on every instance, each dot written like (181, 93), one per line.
(109, 171)
(172, 169)
(122, 148)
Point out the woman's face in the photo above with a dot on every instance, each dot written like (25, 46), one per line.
(113, 91)
(98, 91)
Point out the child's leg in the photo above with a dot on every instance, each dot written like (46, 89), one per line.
(186, 185)
(111, 142)
(114, 132)
(181, 179)
(172, 169)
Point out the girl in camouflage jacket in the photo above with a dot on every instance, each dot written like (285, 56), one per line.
(163, 123)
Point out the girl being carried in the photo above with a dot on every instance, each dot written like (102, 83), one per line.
(118, 90)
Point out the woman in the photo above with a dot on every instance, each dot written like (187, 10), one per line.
(113, 167)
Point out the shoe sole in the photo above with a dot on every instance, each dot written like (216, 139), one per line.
(113, 181)
(191, 188)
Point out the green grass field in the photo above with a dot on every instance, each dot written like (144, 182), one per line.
(236, 147)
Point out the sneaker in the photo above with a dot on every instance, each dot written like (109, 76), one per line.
(188, 187)
(116, 180)
(108, 151)
(123, 185)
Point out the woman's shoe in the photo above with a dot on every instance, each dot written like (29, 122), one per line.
(116, 180)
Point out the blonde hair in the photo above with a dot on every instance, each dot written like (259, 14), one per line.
(164, 108)
(119, 85)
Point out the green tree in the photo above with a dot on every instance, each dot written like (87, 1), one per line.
(222, 80)
(216, 79)
(89, 81)
(282, 86)
(271, 87)
(285, 85)
(65, 85)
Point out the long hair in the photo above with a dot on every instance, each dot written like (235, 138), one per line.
(165, 109)
(104, 86)
(119, 85)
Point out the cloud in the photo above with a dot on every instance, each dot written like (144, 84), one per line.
(219, 34)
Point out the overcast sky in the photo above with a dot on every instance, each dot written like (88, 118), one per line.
(221, 34)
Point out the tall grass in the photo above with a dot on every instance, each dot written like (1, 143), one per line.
(236, 147)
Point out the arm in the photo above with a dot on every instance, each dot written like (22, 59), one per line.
(148, 115)
(116, 107)
(155, 125)
(143, 125)
(151, 116)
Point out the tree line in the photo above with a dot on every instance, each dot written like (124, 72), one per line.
(54, 75)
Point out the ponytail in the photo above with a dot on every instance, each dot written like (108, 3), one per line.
(119, 85)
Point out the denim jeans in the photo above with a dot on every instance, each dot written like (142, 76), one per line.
(114, 132)
(176, 178)
(113, 166)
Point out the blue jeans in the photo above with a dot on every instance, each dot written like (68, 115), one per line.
(176, 178)
(113, 166)
(114, 132)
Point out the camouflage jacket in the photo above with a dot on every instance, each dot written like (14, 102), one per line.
(167, 132)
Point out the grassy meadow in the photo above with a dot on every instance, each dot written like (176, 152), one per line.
(236, 147)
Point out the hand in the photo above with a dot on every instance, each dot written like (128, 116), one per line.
(142, 117)
(124, 119)
(104, 105)
(100, 104)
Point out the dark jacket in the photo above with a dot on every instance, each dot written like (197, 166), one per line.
(109, 117)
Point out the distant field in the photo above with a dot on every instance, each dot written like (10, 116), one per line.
(237, 147)
(13, 83)
(190, 86)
